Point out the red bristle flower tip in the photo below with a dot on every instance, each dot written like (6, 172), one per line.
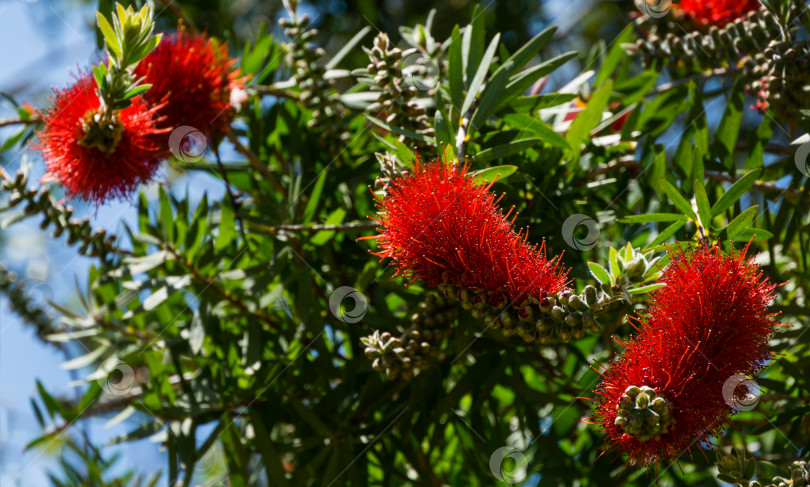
(715, 12)
(194, 80)
(684, 373)
(95, 160)
(439, 226)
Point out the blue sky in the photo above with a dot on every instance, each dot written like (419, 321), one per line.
(43, 44)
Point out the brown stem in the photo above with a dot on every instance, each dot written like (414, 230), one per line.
(211, 284)
(5, 122)
(254, 161)
(315, 228)
(272, 90)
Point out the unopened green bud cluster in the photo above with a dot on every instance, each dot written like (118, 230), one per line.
(92, 243)
(417, 348)
(546, 320)
(397, 101)
(641, 412)
(799, 477)
(21, 304)
(317, 93)
(701, 49)
(737, 467)
(781, 79)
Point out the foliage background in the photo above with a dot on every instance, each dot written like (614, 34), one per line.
(446, 424)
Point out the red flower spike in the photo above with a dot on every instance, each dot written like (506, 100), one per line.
(442, 228)
(98, 172)
(192, 77)
(709, 323)
(716, 12)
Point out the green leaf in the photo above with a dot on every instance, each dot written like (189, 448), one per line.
(110, 38)
(588, 119)
(666, 234)
(615, 55)
(166, 215)
(133, 92)
(522, 81)
(613, 260)
(537, 128)
(347, 48)
(600, 273)
(491, 174)
(645, 289)
(742, 222)
(728, 131)
(755, 234)
(400, 131)
(491, 96)
(84, 360)
(505, 150)
(480, 75)
(531, 48)
(702, 203)
(455, 72)
(653, 217)
(735, 192)
(678, 200)
(324, 236)
(227, 227)
(315, 197)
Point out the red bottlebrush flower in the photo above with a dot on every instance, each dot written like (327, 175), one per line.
(716, 12)
(93, 163)
(442, 228)
(192, 78)
(706, 327)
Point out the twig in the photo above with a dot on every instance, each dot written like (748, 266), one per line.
(5, 122)
(272, 90)
(254, 161)
(316, 228)
(231, 196)
(212, 285)
(761, 187)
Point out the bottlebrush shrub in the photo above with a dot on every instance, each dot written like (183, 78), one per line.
(439, 226)
(709, 322)
(192, 81)
(93, 165)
